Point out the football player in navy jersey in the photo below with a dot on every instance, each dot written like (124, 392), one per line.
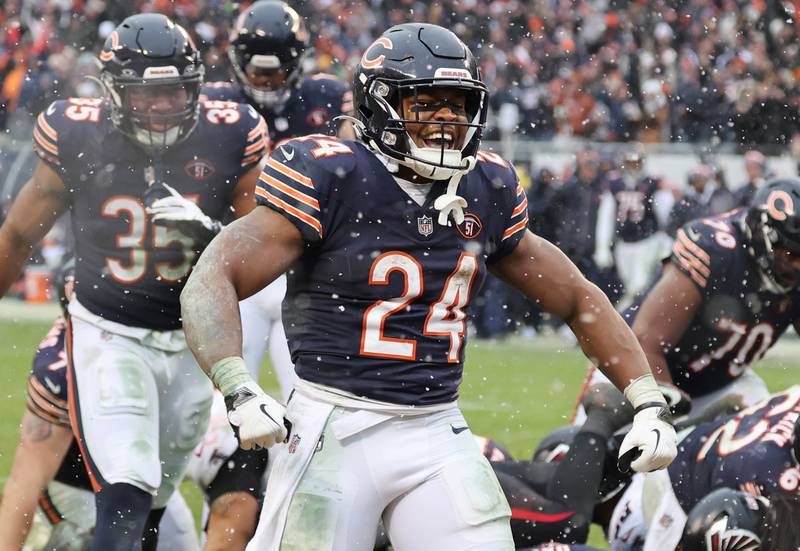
(148, 173)
(384, 241)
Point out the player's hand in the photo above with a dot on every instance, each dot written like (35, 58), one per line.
(651, 444)
(257, 420)
(185, 215)
(603, 258)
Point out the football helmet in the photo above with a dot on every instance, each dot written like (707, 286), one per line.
(269, 35)
(774, 221)
(726, 519)
(152, 73)
(405, 59)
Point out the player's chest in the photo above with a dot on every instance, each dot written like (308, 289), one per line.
(301, 117)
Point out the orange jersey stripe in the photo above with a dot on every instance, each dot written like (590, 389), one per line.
(289, 209)
(521, 225)
(46, 128)
(520, 191)
(293, 174)
(691, 271)
(44, 154)
(288, 190)
(49, 509)
(260, 129)
(694, 247)
(249, 150)
(699, 265)
(62, 420)
(43, 143)
(520, 208)
(252, 159)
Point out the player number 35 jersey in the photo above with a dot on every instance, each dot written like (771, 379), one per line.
(377, 305)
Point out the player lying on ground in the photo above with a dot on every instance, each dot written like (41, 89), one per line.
(727, 293)
(385, 240)
(148, 172)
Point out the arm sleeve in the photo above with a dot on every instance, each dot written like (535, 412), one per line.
(286, 186)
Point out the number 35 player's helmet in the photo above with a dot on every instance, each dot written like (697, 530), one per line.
(152, 73)
(402, 61)
(773, 221)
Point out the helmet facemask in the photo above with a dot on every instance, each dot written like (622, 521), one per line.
(269, 97)
(439, 161)
(133, 101)
(764, 242)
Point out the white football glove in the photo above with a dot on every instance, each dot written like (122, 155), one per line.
(257, 420)
(651, 444)
(603, 258)
(185, 215)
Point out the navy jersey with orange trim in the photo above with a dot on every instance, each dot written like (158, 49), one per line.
(128, 270)
(563, 547)
(736, 323)
(743, 451)
(636, 218)
(376, 304)
(310, 109)
(47, 399)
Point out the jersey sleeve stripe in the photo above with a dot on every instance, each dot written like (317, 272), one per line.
(288, 190)
(692, 246)
(691, 272)
(43, 143)
(259, 145)
(519, 226)
(46, 128)
(522, 207)
(680, 250)
(42, 414)
(259, 130)
(289, 209)
(251, 159)
(520, 191)
(293, 174)
(34, 384)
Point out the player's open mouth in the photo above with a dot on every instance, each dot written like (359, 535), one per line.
(438, 140)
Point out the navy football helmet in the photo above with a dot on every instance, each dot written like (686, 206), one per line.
(403, 61)
(726, 519)
(152, 73)
(774, 221)
(269, 36)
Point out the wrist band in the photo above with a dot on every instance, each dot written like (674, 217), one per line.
(647, 405)
(229, 373)
(644, 390)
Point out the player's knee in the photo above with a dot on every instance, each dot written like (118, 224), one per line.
(232, 521)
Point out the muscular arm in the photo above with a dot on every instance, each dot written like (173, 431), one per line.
(243, 259)
(243, 196)
(545, 275)
(42, 447)
(42, 200)
(664, 317)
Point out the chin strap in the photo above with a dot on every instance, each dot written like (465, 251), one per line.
(450, 202)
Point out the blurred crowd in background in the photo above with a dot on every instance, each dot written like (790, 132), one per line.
(605, 70)
(643, 71)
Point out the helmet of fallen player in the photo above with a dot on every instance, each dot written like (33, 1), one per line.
(726, 519)
(402, 62)
(269, 37)
(772, 226)
(152, 73)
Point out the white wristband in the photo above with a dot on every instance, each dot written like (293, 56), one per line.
(644, 390)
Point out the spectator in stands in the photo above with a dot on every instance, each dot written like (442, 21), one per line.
(703, 197)
(755, 166)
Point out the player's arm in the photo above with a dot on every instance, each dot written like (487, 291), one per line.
(664, 317)
(39, 204)
(243, 259)
(243, 195)
(545, 275)
(41, 450)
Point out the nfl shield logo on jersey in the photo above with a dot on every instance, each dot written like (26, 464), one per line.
(425, 225)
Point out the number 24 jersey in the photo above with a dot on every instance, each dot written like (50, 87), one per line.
(376, 305)
(129, 270)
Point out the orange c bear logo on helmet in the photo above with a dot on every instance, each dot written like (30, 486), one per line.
(368, 63)
(776, 211)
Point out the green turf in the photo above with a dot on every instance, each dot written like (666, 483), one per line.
(514, 391)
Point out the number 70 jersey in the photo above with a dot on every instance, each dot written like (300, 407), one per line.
(377, 304)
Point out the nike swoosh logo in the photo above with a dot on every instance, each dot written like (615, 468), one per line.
(658, 438)
(288, 156)
(54, 388)
(51, 109)
(263, 408)
(693, 234)
(458, 430)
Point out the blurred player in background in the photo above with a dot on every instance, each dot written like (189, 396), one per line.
(148, 172)
(385, 239)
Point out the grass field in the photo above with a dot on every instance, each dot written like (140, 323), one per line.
(514, 391)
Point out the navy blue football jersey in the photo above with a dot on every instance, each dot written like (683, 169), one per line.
(749, 450)
(127, 269)
(48, 399)
(636, 218)
(736, 322)
(310, 109)
(377, 303)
